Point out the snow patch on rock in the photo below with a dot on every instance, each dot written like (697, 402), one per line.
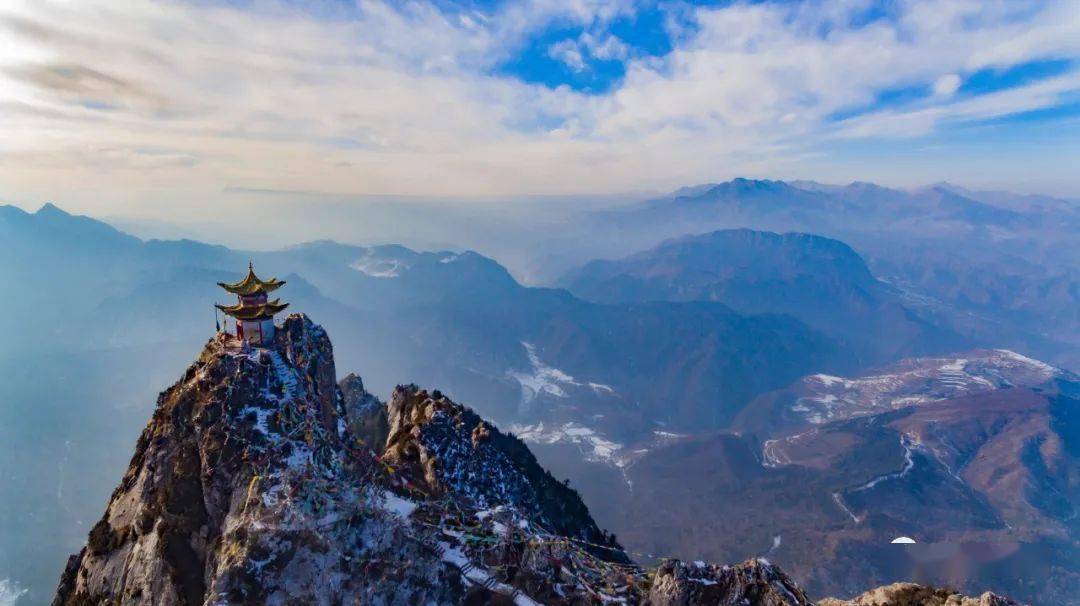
(400, 507)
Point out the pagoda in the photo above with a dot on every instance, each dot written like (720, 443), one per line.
(254, 312)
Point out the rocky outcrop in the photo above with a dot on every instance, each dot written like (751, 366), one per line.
(364, 413)
(910, 594)
(243, 490)
(753, 582)
(451, 450)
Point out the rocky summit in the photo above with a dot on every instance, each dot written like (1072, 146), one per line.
(911, 594)
(260, 480)
(245, 489)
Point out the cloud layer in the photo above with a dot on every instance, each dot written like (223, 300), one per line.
(413, 98)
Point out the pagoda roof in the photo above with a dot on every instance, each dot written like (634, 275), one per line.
(252, 284)
(253, 312)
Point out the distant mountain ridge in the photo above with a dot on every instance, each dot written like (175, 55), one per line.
(820, 281)
(991, 266)
(818, 207)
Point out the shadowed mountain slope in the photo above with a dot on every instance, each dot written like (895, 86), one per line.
(822, 282)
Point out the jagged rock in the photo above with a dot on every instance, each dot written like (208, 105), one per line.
(480, 433)
(307, 347)
(365, 413)
(911, 594)
(755, 582)
(454, 451)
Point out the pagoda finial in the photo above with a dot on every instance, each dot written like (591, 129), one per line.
(251, 265)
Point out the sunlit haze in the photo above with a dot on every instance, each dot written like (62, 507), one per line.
(165, 108)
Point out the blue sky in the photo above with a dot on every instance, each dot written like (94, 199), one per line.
(560, 54)
(114, 101)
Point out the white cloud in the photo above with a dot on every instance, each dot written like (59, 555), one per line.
(605, 47)
(925, 119)
(144, 97)
(574, 53)
(947, 85)
(567, 52)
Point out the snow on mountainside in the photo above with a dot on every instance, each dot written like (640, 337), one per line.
(822, 398)
(378, 268)
(986, 483)
(594, 447)
(393, 261)
(540, 380)
(597, 447)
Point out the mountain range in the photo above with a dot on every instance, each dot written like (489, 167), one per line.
(731, 353)
(107, 316)
(989, 265)
(248, 486)
(821, 282)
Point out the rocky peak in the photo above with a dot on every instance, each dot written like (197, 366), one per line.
(911, 594)
(352, 386)
(244, 489)
(50, 209)
(364, 413)
(454, 451)
(307, 347)
(755, 581)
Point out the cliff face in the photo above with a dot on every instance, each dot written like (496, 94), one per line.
(244, 490)
(451, 450)
(365, 414)
(252, 485)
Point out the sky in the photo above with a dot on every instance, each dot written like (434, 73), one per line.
(161, 107)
